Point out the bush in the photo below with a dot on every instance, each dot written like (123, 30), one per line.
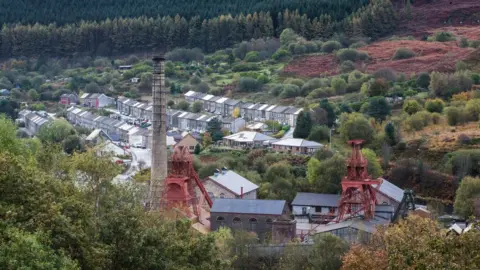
(313, 84)
(347, 66)
(403, 53)
(412, 106)
(436, 118)
(311, 47)
(445, 85)
(355, 126)
(463, 42)
(423, 80)
(415, 122)
(442, 37)
(185, 55)
(319, 134)
(245, 67)
(252, 57)
(455, 116)
(247, 84)
(358, 44)
(434, 105)
(289, 91)
(280, 54)
(322, 92)
(299, 49)
(347, 54)
(202, 87)
(474, 44)
(195, 80)
(340, 85)
(362, 56)
(387, 74)
(472, 109)
(331, 46)
(297, 82)
(375, 87)
(460, 66)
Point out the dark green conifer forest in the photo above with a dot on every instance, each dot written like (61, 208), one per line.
(64, 11)
(146, 34)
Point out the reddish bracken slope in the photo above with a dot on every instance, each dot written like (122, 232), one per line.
(461, 16)
(430, 56)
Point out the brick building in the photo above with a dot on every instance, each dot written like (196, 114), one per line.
(269, 219)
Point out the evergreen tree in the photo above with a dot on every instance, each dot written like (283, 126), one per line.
(303, 125)
(328, 107)
(214, 128)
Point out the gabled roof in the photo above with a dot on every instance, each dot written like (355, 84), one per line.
(190, 93)
(293, 110)
(248, 136)
(255, 207)
(261, 107)
(233, 182)
(232, 102)
(85, 95)
(315, 199)
(280, 109)
(298, 143)
(207, 97)
(271, 108)
(391, 190)
(221, 100)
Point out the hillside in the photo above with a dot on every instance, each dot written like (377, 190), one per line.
(459, 18)
(61, 11)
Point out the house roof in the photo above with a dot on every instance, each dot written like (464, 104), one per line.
(248, 136)
(316, 199)
(261, 107)
(293, 110)
(280, 109)
(232, 102)
(207, 97)
(256, 207)
(258, 125)
(359, 224)
(234, 182)
(391, 190)
(85, 95)
(271, 108)
(298, 143)
(221, 100)
(190, 93)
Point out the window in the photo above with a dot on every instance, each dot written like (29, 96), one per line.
(237, 220)
(222, 195)
(191, 147)
(221, 221)
(269, 221)
(253, 224)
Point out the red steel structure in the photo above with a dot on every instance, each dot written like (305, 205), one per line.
(358, 189)
(179, 186)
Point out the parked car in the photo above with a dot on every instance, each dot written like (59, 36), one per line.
(138, 145)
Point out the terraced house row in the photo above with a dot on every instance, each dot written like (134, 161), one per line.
(249, 111)
(178, 119)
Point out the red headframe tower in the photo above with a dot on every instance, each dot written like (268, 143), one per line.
(179, 187)
(358, 190)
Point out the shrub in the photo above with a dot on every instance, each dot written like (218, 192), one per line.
(247, 84)
(245, 67)
(375, 87)
(311, 47)
(339, 84)
(472, 109)
(474, 44)
(279, 134)
(460, 65)
(434, 105)
(436, 118)
(185, 55)
(252, 57)
(289, 91)
(280, 54)
(331, 46)
(322, 92)
(362, 56)
(387, 74)
(202, 87)
(263, 79)
(415, 122)
(319, 134)
(412, 106)
(195, 80)
(455, 116)
(347, 66)
(299, 49)
(463, 42)
(403, 53)
(463, 139)
(288, 36)
(442, 37)
(313, 84)
(358, 44)
(423, 80)
(347, 54)
(297, 82)
(445, 85)
(356, 126)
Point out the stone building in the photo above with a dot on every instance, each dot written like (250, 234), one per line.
(189, 142)
(269, 219)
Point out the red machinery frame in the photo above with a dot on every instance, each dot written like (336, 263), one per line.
(358, 189)
(179, 186)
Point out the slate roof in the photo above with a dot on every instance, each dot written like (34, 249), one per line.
(316, 199)
(299, 143)
(232, 102)
(248, 136)
(280, 109)
(391, 190)
(255, 207)
(233, 182)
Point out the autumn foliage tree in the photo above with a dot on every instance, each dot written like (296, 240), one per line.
(415, 243)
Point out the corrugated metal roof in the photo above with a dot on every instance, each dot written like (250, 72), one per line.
(234, 182)
(391, 190)
(315, 199)
(240, 206)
